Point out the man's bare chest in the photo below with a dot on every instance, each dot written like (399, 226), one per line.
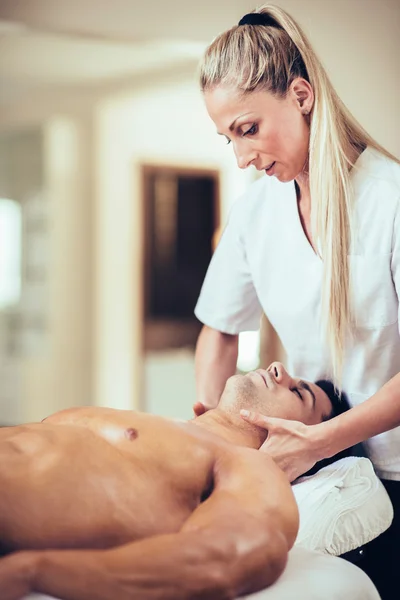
(98, 491)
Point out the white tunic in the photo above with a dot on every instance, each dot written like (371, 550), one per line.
(264, 262)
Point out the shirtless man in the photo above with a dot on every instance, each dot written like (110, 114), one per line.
(116, 505)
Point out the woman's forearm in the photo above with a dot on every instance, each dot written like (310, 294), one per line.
(216, 358)
(379, 413)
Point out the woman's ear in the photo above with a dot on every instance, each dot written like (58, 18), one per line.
(303, 95)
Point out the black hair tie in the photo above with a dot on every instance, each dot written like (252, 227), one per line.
(258, 19)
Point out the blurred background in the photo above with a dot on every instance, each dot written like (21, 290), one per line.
(114, 187)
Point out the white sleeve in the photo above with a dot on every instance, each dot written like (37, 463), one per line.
(228, 300)
(396, 257)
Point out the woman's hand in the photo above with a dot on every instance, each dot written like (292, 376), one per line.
(199, 409)
(289, 443)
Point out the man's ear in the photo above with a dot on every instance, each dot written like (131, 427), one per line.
(303, 94)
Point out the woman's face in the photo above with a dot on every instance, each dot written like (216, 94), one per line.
(265, 131)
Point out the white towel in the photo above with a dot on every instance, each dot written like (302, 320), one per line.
(315, 576)
(342, 507)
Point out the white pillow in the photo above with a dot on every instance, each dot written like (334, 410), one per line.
(343, 506)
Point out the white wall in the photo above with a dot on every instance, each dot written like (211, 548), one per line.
(167, 124)
(60, 374)
(48, 170)
(358, 42)
(161, 125)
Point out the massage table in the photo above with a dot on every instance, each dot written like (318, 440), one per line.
(310, 575)
(342, 508)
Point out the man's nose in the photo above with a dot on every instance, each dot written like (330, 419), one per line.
(279, 373)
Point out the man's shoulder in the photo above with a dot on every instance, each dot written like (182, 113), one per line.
(248, 463)
(259, 485)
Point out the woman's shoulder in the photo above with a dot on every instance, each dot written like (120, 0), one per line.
(377, 172)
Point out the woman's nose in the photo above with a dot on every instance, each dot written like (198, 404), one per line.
(244, 159)
(279, 373)
(243, 162)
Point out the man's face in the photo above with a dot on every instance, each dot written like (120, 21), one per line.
(274, 393)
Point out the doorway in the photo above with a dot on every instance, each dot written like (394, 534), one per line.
(181, 215)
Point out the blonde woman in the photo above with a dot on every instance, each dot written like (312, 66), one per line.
(315, 244)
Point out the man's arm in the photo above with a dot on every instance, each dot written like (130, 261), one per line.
(254, 512)
(234, 543)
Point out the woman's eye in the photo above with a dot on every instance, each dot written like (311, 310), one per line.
(252, 131)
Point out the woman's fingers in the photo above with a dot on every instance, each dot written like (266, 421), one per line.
(257, 419)
(199, 409)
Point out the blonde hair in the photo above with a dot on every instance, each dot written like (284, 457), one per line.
(270, 58)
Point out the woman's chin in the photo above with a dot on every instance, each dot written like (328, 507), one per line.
(284, 177)
(285, 174)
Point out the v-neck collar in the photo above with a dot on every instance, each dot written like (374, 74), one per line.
(299, 232)
(301, 237)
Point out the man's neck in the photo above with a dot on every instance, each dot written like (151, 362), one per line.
(231, 427)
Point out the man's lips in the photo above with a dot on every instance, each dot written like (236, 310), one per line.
(269, 167)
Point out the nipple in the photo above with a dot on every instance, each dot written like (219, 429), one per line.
(131, 434)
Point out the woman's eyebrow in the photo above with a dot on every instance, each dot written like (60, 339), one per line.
(232, 125)
(304, 385)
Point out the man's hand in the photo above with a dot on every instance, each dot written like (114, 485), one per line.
(16, 573)
(289, 443)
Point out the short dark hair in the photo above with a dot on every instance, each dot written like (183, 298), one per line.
(340, 405)
(339, 401)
